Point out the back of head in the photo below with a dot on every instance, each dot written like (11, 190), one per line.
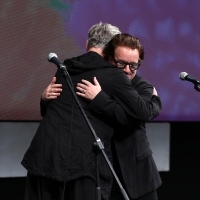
(123, 40)
(100, 34)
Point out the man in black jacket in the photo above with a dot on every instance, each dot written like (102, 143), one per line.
(132, 155)
(60, 160)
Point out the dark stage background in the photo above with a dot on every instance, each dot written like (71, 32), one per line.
(182, 182)
(169, 31)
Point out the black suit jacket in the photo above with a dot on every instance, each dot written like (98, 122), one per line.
(62, 147)
(132, 156)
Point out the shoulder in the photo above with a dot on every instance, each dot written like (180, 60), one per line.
(77, 58)
(143, 87)
(120, 76)
(140, 81)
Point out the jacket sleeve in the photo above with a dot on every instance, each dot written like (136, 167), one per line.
(43, 107)
(44, 104)
(121, 109)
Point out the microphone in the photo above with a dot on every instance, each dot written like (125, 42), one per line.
(185, 77)
(53, 58)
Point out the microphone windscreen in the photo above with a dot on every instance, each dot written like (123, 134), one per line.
(52, 55)
(182, 75)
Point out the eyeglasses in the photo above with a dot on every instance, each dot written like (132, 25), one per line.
(122, 64)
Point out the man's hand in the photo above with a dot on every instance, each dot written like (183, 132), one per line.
(155, 92)
(87, 89)
(52, 91)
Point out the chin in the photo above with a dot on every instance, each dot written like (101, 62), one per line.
(131, 76)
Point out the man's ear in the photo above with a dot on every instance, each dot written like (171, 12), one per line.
(110, 59)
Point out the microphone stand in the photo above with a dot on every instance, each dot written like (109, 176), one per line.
(197, 87)
(98, 146)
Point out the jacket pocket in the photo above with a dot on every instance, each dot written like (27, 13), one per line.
(144, 154)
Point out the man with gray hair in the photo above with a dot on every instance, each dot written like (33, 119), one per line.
(61, 159)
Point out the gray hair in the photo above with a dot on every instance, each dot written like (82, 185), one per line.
(100, 34)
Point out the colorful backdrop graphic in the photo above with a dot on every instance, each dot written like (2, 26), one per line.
(30, 30)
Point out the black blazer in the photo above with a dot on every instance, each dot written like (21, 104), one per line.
(133, 161)
(62, 147)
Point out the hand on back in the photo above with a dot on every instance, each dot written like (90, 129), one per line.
(52, 91)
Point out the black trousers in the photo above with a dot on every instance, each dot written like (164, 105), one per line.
(42, 188)
(116, 195)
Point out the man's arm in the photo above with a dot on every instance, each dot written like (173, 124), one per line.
(135, 105)
(102, 103)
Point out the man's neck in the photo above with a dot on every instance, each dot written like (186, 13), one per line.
(97, 50)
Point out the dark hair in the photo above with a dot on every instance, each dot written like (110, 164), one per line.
(123, 40)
